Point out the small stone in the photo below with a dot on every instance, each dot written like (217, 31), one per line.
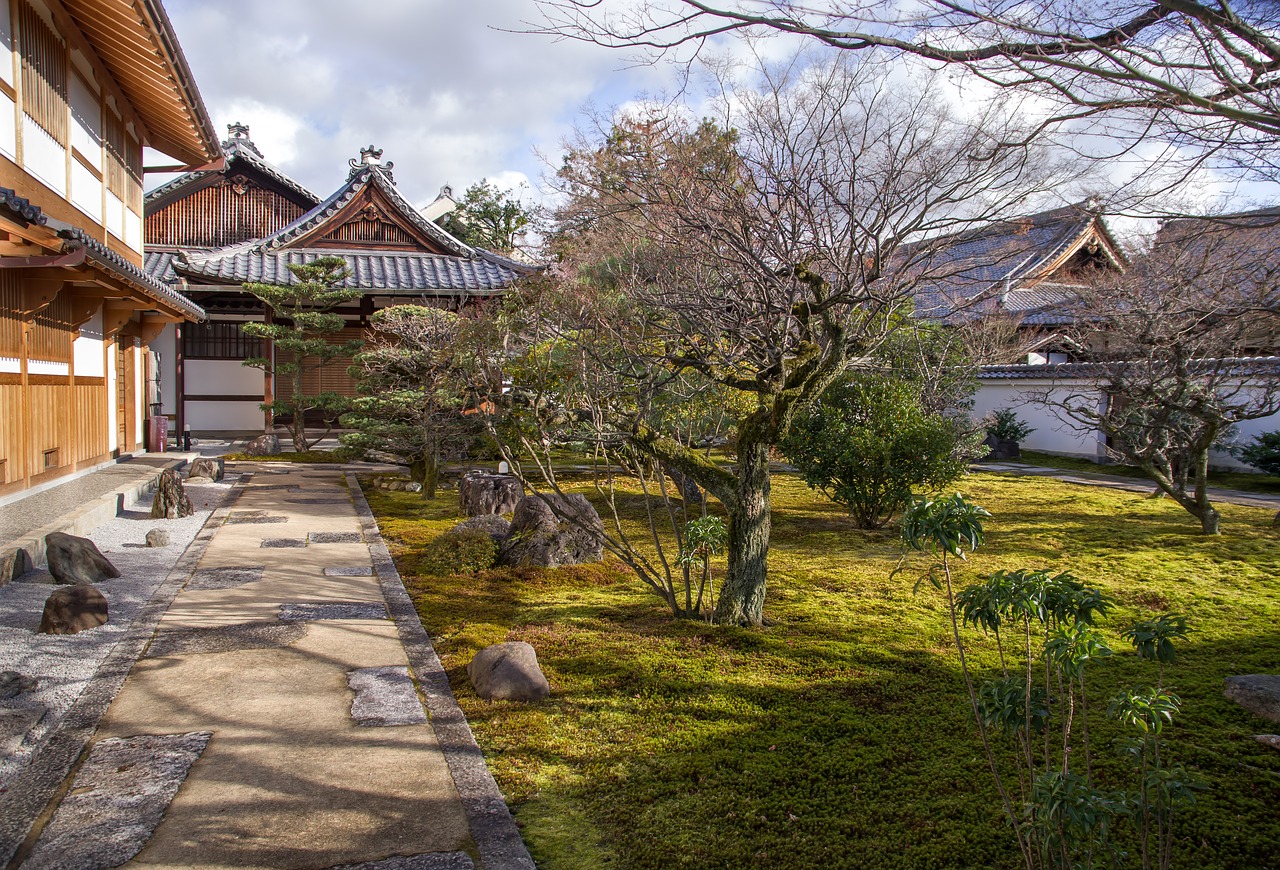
(158, 538)
(76, 560)
(413, 486)
(508, 672)
(73, 609)
(263, 445)
(1257, 693)
(212, 468)
(1272, 740)
(13, 684)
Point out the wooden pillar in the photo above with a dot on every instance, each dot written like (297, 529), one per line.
(179, 384)
(28, 443)
(268, 379)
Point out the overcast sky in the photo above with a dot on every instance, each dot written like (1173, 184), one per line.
(437, 84)
(441, 85)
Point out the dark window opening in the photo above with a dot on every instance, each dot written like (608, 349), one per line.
(219, 340)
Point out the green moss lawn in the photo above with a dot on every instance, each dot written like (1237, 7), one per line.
(839, 735)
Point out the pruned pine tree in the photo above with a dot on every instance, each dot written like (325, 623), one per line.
(301, 328)
(414, 384)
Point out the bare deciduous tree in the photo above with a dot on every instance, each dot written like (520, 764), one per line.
(1173, 353)
(1205, 72)
(768, 252)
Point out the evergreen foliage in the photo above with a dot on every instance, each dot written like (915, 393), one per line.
(490, 218)
(301, 327)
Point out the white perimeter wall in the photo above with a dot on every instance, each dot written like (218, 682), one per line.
(222, 377)
(87, 350)
(224, 416)
(164, 346)
(1053, 435)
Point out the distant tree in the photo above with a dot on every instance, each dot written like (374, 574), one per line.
(300, 329)
(490, 218)
(414, 387)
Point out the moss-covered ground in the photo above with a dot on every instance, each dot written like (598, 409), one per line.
(838, 736)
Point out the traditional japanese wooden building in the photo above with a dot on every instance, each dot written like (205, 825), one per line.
(84, 85)
(210, 232)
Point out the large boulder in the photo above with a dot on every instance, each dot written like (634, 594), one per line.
(553, 530)
(171, 501)
(211, 467)
(508, 672)
(1257, 693)
(73, 609)
(481, 493)
(491, 524)
(1001, 449)
(263, 445)
(76, 560)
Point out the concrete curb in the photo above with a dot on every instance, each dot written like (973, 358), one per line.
(494, 830)
(23, 808)
(90, 515)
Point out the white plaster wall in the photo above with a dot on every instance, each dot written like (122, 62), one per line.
(139, 394)
(113, 439)
(113, 220)
(6, 43)
(86, 191)
(43, 157)
(87, 348)
(8, 124)
(1052, 434)
(132, 230)
(224, 416)
(222, 377)
(46, 367)
(165, 346)
(86, 115)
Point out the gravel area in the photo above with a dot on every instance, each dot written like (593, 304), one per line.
(64, 665)
(385, 696)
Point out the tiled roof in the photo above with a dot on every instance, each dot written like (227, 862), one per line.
(972, 263)
(362, 177)
(390, 272)
(100, 254)
(1242, 366)
(236, 149)
(20, 207)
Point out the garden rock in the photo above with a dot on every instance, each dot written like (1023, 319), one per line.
(1257, 693)
(1001, 448)
(493, 525)
(76, 560)
(400, 485)
(489, 494)
(206, 466)
(157, 538)
(73, 609)
(14, 564)
(171, 501)
(263, 445)
(553, 530)
(1272, 740)
(13, 684)
(508, 672)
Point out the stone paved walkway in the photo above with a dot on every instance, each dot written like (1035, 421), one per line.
(277, 718)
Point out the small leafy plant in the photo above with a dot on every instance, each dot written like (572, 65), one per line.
(703, 538)
(1037, 708)
(1004, 425)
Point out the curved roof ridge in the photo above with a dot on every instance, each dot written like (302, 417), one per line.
(235, 150)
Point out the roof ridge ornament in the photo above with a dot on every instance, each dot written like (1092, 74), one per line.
(370, 158)
(238, 138)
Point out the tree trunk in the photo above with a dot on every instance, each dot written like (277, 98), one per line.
(742, 597)
(431, 475)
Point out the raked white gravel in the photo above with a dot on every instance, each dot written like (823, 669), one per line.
(63, 665)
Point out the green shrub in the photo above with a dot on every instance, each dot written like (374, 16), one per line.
(867, 444)
(466, 552)
(1264, 453)
(1004, 425)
